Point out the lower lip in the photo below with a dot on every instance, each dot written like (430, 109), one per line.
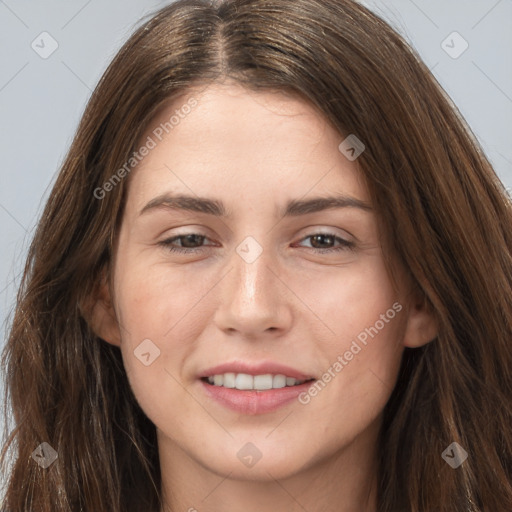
(254, 402)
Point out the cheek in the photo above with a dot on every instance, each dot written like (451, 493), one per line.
(362, 349)
(349, 300)
(155, 302)
(161, 318)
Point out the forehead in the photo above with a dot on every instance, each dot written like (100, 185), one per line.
(224, 139)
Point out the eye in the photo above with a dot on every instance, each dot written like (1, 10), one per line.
(194, 243)
(189, 243)
(324, 242)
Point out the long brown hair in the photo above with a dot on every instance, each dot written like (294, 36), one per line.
(445, 216)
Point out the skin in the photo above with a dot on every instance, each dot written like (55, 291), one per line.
(255, 151)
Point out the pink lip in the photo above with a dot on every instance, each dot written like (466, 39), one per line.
(255, 369)
(254, 402)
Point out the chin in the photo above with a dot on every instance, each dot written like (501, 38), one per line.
(262, 471)
(258, 460)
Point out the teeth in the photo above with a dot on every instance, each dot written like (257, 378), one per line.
(228, 380)
(279, 381)
(243, 381)
(262, 382)
(290, 381)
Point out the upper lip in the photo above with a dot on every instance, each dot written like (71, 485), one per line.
(255, 368)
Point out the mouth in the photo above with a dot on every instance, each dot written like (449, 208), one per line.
(247, 382)
(251, 389)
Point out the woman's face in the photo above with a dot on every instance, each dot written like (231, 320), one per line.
(271, 287)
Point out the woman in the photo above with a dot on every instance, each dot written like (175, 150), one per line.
(274, 272)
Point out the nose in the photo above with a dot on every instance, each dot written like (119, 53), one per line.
(254, 302)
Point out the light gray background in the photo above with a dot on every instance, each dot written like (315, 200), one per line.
(41, 100)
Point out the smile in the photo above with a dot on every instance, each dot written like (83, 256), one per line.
(244, 381)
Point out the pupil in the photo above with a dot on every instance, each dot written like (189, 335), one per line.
(321, 237)
(189, 240)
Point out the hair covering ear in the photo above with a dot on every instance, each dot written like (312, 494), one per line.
(422, 326)
(99, 312)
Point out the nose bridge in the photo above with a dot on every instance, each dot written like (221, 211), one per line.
(251, 271)
(251, 301)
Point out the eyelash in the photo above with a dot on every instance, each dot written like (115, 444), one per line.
(345, 244)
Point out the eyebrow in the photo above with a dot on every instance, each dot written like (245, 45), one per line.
(214, 207)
